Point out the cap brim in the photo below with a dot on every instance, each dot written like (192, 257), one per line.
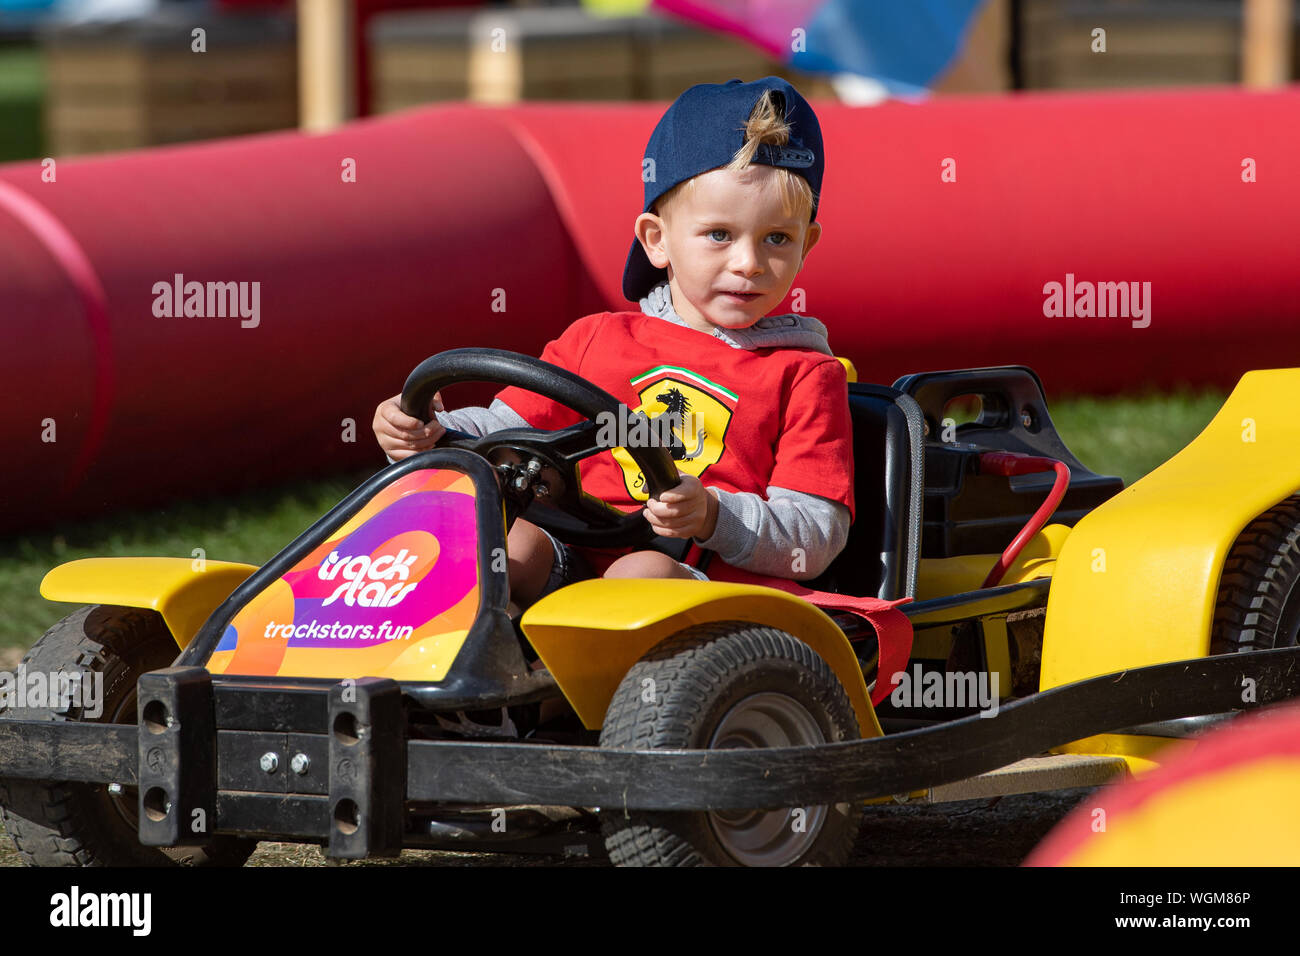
(639, 276)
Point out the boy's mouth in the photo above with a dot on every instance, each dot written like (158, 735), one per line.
(742, 296)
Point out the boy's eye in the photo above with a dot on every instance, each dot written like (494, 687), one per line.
(776, 238)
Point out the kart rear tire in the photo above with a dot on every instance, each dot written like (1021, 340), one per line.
(57, 823)
(1258, 605)
(730, 683)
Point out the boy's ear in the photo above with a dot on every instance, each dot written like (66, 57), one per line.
(650, 231)
(810, 239)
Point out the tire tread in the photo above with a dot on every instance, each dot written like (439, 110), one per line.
(687, 670)
(1259, 578)
(59, 823)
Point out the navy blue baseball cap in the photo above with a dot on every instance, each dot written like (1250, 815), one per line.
(701, 131)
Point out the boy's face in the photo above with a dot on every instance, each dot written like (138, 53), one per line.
(731, 235)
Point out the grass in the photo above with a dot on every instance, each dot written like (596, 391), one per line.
(1126, 436)
(1130, 436)
(248, 528)
(22, 88)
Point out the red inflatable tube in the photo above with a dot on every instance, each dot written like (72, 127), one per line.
(448, 220)
(498, 227)
(1189, 811)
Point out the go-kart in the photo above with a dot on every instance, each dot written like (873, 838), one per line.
(368, 689)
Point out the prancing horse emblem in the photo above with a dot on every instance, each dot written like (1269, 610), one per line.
(678, 407)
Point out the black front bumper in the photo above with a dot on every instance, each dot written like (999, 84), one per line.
(196, 755)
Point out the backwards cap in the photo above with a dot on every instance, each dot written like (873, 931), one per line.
(703, 130)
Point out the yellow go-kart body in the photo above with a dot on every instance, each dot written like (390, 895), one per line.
(1133, 583)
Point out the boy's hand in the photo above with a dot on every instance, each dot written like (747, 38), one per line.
(400, 435)
(686, 511)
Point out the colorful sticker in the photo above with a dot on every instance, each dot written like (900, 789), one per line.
(392, 592)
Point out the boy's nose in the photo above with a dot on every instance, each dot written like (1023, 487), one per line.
(744, 259)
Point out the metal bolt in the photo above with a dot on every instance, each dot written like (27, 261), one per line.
(300, 764)
(270, 762)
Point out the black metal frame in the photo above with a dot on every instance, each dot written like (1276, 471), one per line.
(194, 745)
(966, 512)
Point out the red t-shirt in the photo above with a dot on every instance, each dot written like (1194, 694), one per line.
(746, 419)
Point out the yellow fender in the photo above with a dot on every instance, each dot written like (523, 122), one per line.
(589, 634)
(171, 586)
(1136, 581)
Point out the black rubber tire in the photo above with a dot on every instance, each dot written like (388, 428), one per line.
(82, 824)
(1258, 605)
(699, 675)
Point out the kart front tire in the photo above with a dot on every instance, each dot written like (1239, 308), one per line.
(55, 823)
(1258, 605)
(719, 685)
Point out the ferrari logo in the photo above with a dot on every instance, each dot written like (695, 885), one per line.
(698, 412)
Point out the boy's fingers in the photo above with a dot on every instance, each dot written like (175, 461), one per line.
(675, 509)
(423, 444)
(413, 428)
(409, 424)
(688, 487)
(385, 427)
(402, 435)
(656, 527)
(423, 437)
(399, 419)
(658, 521)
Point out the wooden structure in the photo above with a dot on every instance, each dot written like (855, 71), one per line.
(507, 56)
(144, 83)
(1153, 43)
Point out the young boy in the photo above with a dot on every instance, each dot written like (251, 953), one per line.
(732, 173)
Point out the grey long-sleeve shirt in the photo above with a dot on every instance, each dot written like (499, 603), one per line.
(762, 535)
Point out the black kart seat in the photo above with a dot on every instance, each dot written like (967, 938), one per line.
(881, 555)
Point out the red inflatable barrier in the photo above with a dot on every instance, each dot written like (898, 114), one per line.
(944, 223)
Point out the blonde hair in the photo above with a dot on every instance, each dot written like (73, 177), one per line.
(766, 124)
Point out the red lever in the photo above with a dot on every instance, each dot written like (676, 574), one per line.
(1006, 464)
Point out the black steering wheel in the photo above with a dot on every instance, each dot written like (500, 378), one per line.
(540, 465)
